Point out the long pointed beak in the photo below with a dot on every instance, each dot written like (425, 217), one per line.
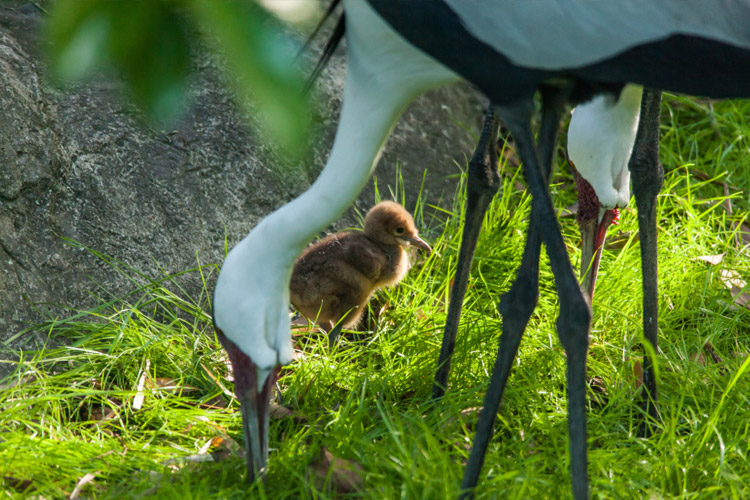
(593, 235)
(254, 405)
(255, 428)
(419, 242)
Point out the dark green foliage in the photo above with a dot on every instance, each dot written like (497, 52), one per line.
(149, 44)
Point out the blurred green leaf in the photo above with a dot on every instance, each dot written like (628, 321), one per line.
(261, 67)
(79, 35)
(146, 41)
(151, 47)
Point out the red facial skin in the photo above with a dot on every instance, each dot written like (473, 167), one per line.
(593, 231)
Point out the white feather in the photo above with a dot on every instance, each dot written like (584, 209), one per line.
(600, 140)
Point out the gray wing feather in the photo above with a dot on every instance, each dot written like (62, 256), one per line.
(558, 34)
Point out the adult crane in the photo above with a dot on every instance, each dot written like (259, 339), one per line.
(569, 51)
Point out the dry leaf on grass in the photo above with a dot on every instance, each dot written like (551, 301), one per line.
(732, 279)
(736, 284)
(714, 260)
(742, 300)
(81, 483)
(343, 476)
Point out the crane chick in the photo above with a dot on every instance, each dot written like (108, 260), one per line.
(334, 278)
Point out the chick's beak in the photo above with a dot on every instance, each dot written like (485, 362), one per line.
(419, 242)
(593, 234)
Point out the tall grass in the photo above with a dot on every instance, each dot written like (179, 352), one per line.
(70, 411)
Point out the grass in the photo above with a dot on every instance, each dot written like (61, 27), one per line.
(71, 411)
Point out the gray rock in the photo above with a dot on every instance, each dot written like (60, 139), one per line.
(79, 165)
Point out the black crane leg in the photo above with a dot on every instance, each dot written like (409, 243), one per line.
(648, 178)
(483, 184)
(575, 315)
(516, 307)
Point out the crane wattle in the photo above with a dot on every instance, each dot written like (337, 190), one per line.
(588, 202)
(593, 220)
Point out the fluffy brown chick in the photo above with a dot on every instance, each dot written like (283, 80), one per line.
(335, 277)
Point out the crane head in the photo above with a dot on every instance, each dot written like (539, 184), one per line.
(593, 220)
(251, 317)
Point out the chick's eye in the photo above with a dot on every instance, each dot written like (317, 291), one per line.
(399, 230)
